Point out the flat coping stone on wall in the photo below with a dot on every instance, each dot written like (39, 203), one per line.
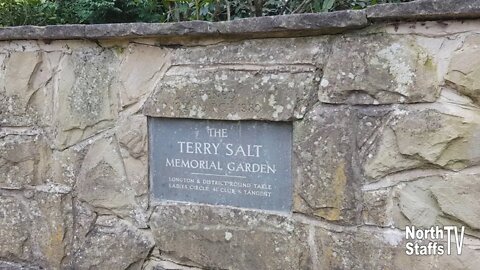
(425, 10)
(308, 24)
(268, 26)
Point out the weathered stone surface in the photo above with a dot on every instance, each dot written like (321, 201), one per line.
(441, 139)
(325, 185)
(34, 227)
(300, 51)
(12, 234)
(102, 182)
(424, 137)
(223, 238)
(441, 201)
(132, 135)
(468, 260)
(132, 139)
(378, 69)
(139, 71)
(24, 160)
(297, 24)
(464, 70)
(349, 249)
(417, 204)
(277, 94)
(386, 158)
(86, 102)
(365, 248)
(17, 266)
(113, 244)
(425, 10)
(376, 206)
(458, 192)
(439, 29)
(27, 159)
(66, 165)
(157, 264)
(376, 143)
(25, 87)
(84, 221)
(20, 68)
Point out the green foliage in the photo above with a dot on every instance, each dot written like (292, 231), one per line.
(23, 12)
(84, 11)
(42, 12)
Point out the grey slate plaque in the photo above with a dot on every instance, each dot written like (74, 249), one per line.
(236, 163)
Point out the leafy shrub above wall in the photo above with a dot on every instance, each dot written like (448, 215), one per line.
(43, 12)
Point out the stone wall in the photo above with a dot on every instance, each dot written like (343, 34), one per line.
(386, 134)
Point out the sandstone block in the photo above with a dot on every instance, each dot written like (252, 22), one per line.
(376, 143)
(376, 207)
(139, 71)
(323, 150)
(25, 87)
(286, 51)
(422, 137)
(86, 101)
(224, 238)
(18, 266)
(34, 227)
(464, 70)
(24, 160)
(440, 201)
(348, 249)
(103, 184)
(113, 244)
(20, 67)
(132, 139)
(222, 93)
(367, 248)
(378, 69)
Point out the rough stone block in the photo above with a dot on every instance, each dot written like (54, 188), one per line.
(86, 102)
(376, 206)
(24, 160)
(112, 243)
(20, 67)
(378, 151)
(18, 266)
(139, 71)
(349, 249)
(102, 182)
(285, 51)
(132, 139)
(25, 87)
(278, 94)
(325, 185)
(378, 69)
(224, 238)
(440, 200)
(464, 70)
(66, 165)
(34, 227)
(375, 248)
(438, 138)
(423, 138)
